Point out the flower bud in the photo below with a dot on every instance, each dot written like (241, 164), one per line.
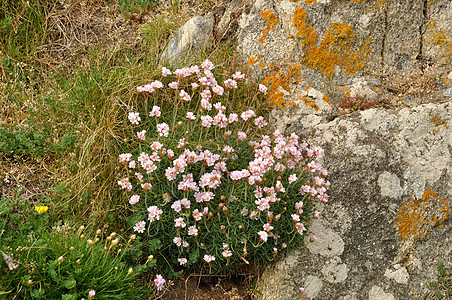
(113, 234)
(116, 268)
(98, 231)
(220, 205)
(30, 282)
(82, 236)
(240, 226)
(96, 240)
(72, 249)
(133, 237)
(90, 242)
(222, 198)
(211, 215)
(109, 238)
(223, 228)
(115, 242)
(82, 228)
(130, 271)
(60, 259)
(78, 261)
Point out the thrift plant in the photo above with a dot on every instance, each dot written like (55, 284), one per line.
(210, 186)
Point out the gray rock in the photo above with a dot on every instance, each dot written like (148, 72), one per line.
(368, 247)
(343, 47)
(448, 93)
(194, 35)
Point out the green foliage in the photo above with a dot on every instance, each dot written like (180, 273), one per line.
(33, 142)
(64, 263)
(130, 7)
(442, 289)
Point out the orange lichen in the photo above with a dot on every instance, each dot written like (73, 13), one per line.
(441, 38)
(271, 21)
(278, 82)
(438, 121)
(335, 48)
(418, 217)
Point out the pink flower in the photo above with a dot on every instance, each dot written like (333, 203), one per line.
(91, 293)
(155, 111)
(263, 235)
(313, 238)
(230, 83)
(206, 121)
(316, 214)
(139, 175)
(182, 261)
(197, 215)
(233, 118)
(185, 203)
(134, 118)
(218, 90)
(228, 149)
(192, 231)
(247, 114)
(178, 241)
(159, 282)
(179, 223)
(125, 184)
(220, 120)
(174, 85)
(300, 228)
(263, 89)
(267, 227)
(146, 186)
(154, 213)
(191, 116)
(125, 157)
(238, 75)
(219, 107)
(207, 65)
(139, 226)
(208, 258)
(295, 218)
(184, 95)
(293, 178)
(134, 199)
(185, 244)
(141, 135)
(163, 129)
(205, 104)
(241, 135)
(194, 85)
(132, 164)
(166, 72)
(176, 206)
(260, 122)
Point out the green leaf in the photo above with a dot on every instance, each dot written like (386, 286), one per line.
(69, 297)
(38, 294)
(70, 283)
(154, 245)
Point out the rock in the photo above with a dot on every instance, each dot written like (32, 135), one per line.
(386, 225)
(342, 48)
(448, 93)
(194, 35)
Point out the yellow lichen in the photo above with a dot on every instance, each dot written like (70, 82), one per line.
(418, 217)
(335, 48)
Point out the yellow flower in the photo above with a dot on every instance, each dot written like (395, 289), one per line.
(41, 209)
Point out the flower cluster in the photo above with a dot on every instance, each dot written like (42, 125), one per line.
(217, 187)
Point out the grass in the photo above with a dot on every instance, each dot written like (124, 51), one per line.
(71, 114)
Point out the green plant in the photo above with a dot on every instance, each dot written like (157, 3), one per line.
(442, 289)
(33, 142)
(214, 192)
(130, 8)
(65, 263)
